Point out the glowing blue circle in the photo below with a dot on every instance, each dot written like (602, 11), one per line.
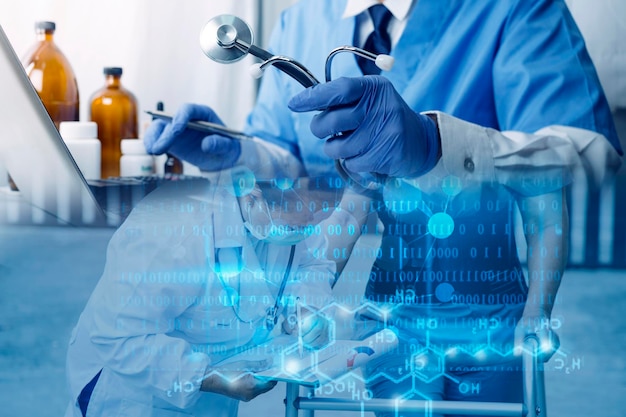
(283, 183)
(444, 292)
(441, 225)
(243, 181)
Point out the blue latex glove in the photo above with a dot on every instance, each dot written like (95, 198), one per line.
(208, 152)
(380, 134)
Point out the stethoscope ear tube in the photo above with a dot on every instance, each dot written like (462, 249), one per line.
(227, 38)
(289, 66)
(360, 183)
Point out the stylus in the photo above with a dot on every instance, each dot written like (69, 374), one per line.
(202, 126)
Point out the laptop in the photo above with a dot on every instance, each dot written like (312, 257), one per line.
(42, 167)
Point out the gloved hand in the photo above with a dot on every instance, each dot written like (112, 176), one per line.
(208, 152)
(370, 126)
(537, 325)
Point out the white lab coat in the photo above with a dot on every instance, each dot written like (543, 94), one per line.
(157, 318)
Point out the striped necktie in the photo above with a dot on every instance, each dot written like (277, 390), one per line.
(378, 41)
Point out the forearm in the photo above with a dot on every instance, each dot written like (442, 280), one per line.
(544, 281)
(528, 163)
(545, 223)
(269, 161)
(238, 382)
(344, 227)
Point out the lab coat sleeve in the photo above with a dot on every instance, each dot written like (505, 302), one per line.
(269, 161)
(527, 163)
(153, 273)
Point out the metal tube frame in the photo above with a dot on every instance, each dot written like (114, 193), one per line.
(347, 48)
(534, 404)
(277, 60)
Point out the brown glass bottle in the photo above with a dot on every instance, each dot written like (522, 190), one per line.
(52, 76)
(114, 109)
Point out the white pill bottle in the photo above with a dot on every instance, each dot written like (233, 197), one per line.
(135, 161)
(81, 138)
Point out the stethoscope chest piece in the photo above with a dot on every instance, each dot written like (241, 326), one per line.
(226, 38)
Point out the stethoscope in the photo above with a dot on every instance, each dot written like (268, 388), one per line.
(272, 312)
(227, 39)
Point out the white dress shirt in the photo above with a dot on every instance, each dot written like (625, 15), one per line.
(399, 9)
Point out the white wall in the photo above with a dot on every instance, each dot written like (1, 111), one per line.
(155, 41)
(603, 25)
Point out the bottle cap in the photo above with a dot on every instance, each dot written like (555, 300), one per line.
(112, 71)
(45, 25)
(78, 130)
(133, 147)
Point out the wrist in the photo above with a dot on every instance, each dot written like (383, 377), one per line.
(431, 142)
(433, 117)
(541, 311)
(208, 383)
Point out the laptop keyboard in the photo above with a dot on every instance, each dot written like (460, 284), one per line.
(118, 195)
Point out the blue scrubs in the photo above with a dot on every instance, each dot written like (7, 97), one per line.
(505, 64)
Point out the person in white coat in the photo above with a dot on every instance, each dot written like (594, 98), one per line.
(195, 274)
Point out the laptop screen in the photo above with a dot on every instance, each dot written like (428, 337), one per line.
(34, 153)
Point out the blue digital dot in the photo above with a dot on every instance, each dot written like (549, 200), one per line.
(441, 225)
(243, 181)
(444, 292)
(283, 183)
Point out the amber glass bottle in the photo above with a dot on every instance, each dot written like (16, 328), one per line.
(114, 109)
(52, 76)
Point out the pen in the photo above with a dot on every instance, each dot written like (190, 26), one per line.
(299, 319)
(202, 126)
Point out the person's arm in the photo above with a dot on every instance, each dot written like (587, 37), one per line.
(269, 161)
(236, 380)
(310, 310)
(545, 224)
(346, 224)
(522, 161)
(541, 77)
(214, 152)
(156, 271)
(133, 313)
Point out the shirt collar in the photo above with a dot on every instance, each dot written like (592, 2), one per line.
(398, 8)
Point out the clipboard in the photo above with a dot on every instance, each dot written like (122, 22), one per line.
(316, 367)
